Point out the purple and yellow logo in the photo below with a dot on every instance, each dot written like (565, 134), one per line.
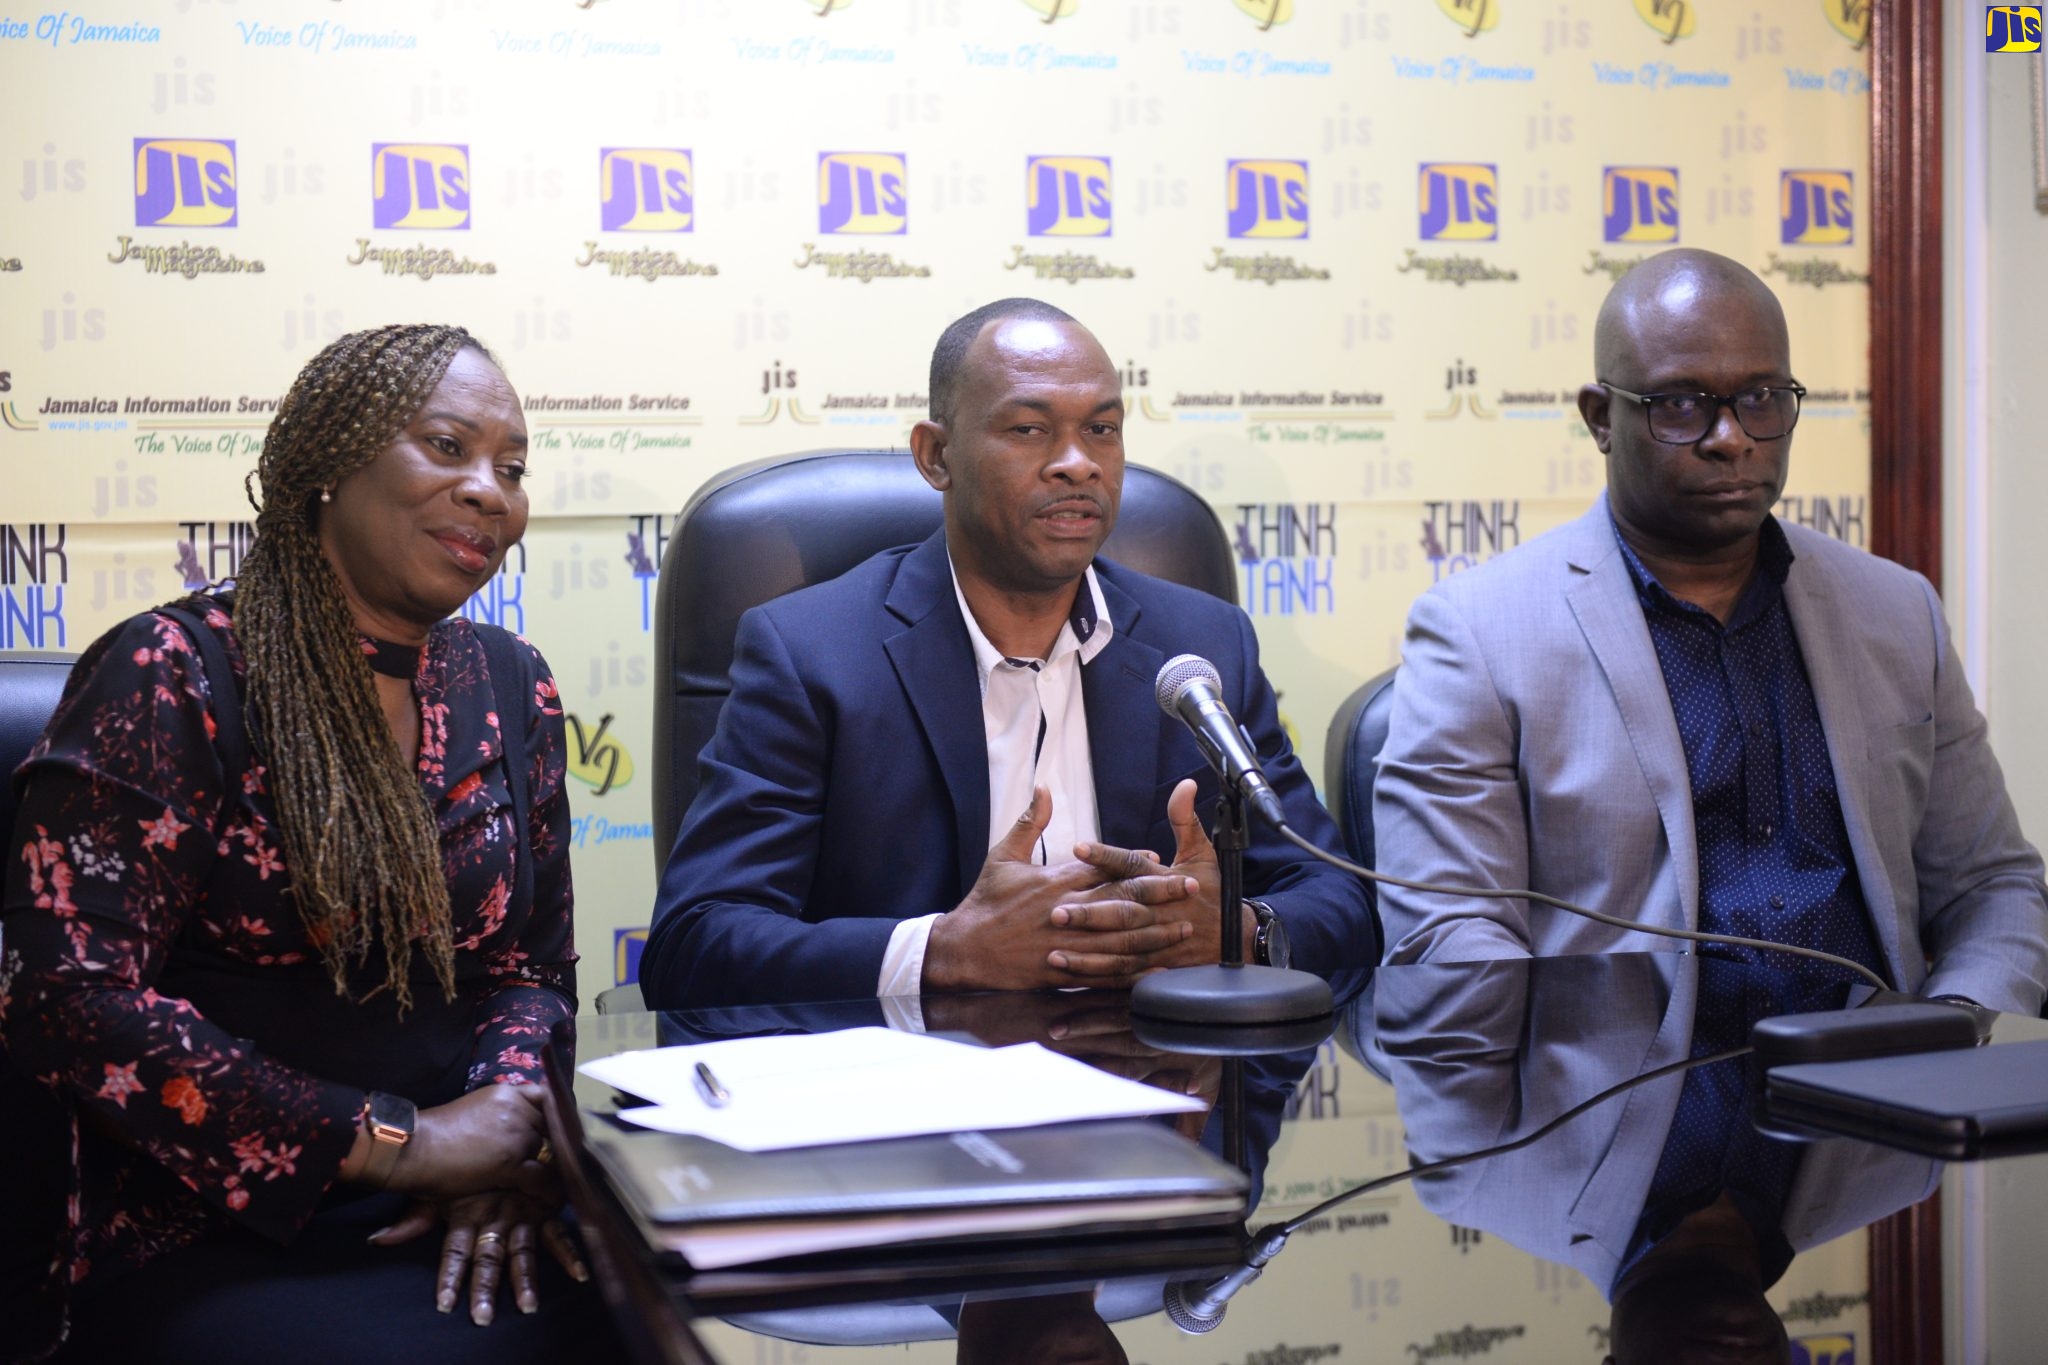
(645, 189)
(1067, 196)
(863, 194)
(1639, 204)
(627, 945)
(184, 182)
(2012, 28)
(1474, 16)
(1816, 208)
(1458, 201)
(1267, 200)
(419, 185)
(1837, 1348)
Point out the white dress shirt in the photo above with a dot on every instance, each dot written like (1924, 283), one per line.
(1036, 725)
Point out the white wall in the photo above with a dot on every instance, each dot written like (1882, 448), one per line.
(1996, 553)
(1995, 580)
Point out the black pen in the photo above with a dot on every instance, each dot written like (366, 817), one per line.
(714, 1094)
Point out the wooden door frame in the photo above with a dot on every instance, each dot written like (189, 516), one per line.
(1905, 497)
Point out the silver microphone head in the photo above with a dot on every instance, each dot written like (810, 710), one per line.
(1179, 671)
(1179, 1304)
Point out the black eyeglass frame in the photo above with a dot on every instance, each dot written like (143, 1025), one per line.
(1719, 401)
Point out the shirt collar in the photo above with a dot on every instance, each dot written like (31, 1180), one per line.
(1773, 561)
(1087, 629)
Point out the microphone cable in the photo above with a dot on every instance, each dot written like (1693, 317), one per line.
(1199, 1313)
(1516, 1144)
(1184, 672)
(1495, 893)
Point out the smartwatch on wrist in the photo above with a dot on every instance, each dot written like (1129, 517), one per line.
(389, 1120)
(1269, 942)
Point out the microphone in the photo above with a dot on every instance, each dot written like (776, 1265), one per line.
(1190, 687)
(1198, 1313)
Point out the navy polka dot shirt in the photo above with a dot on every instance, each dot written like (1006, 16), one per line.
(1774, 853)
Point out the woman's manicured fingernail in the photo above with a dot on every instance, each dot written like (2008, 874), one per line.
(481, 1315)
(446, 1302)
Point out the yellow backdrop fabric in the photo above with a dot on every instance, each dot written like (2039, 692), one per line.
(1347, 252)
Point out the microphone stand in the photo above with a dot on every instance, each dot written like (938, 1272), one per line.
(1233, 992)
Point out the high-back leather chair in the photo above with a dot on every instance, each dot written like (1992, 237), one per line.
(31, 681)
(32, 1128)
(767, 528)
(1351, 763)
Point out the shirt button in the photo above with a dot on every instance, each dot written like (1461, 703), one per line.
(1764, 830)
(1777, 902)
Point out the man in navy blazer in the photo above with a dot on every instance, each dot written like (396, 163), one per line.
(946, 769)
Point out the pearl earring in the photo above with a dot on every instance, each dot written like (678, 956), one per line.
(327, 495)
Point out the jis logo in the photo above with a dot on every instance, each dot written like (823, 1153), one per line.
(1268, 199)
(627, 945)
(645, 189)
(419, 185)
(184, 183)
(1639, 204)
(1067, 196)
(1474, 16)
(1815, 208)
(1834, 1349)
(862, 194)
(1459, 202)
(2012, 28)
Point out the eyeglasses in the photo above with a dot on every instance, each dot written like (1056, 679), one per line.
(1765, 412)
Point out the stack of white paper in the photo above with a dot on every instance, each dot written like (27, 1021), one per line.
(858, 1085)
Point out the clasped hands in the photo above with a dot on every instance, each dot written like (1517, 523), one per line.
(1105, 918)
(477, 1167)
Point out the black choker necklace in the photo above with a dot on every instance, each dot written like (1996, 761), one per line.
(393, 661)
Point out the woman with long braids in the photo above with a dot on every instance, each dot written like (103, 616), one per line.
(287, 910)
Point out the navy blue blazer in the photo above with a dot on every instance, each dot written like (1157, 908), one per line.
(846, 786)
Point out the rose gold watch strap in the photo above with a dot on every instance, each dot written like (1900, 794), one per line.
(386, 1142)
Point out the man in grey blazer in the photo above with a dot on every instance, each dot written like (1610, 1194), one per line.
(1680, 711)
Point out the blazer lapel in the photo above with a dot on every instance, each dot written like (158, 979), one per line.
(934, 661)
(1123, 723)
(1817, 613)
(1603, 598)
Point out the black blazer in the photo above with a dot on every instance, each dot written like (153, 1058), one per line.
(846, 787)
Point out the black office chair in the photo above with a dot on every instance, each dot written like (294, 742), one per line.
(31, 681)
(1351, 763)
(33, 1133)
(776, 525)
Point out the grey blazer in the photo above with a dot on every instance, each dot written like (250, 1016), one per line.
(1532, 743)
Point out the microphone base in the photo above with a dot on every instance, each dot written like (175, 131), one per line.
(1231, 995)
(1233, 1040)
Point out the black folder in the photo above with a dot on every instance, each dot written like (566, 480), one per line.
(716, 1206)
(1958, 1105)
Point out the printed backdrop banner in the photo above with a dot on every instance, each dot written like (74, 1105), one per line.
(1347, 254)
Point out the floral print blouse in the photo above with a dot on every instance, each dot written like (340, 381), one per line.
(130, 870)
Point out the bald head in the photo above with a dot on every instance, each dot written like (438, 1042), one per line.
(1676, 292)
(1691, 328)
